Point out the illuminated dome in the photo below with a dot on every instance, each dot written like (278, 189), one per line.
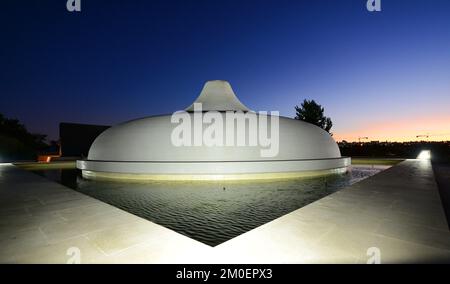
(144, 148)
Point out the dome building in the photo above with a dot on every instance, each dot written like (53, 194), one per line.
(144, 148)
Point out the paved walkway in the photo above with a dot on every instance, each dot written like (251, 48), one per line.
(396, 213)
(40, 221)
(442, 174)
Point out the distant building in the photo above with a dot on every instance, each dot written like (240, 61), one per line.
(76, 138)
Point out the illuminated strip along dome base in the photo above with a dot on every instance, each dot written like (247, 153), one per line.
(142, 149)
(215, 170)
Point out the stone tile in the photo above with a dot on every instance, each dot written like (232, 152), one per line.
(87, 211)
(398, 251)
(21, 222)
(58, 197)
(416, 234)
(189, 252)
(42, 209)
(417, 219)
(56, 232)
(62, 252)
(119, 238)
(13, 243)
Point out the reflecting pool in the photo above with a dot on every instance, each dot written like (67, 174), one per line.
(211, 212)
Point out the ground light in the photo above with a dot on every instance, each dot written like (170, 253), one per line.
(424, 155)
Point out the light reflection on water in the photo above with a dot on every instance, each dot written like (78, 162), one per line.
(211, 212)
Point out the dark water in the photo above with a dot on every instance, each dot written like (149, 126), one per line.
(205, 211)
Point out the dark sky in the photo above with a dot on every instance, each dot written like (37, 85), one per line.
(383, 75)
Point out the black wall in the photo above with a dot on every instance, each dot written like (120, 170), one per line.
(76, 139)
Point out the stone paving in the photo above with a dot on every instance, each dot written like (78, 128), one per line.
(396, 214)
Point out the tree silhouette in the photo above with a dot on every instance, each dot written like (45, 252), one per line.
(16, 142)
(311, 112)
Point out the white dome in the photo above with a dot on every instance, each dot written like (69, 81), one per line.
(218, 95)
(142, 148)
(149, 139)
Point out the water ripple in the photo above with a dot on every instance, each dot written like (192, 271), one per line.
(203, 210)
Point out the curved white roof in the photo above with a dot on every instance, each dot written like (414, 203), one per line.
(218, 95)
(149, 139)
(145, 145)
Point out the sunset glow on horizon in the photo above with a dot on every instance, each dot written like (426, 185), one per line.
(406, 130)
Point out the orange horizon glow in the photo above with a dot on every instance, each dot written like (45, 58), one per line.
(405, 130)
